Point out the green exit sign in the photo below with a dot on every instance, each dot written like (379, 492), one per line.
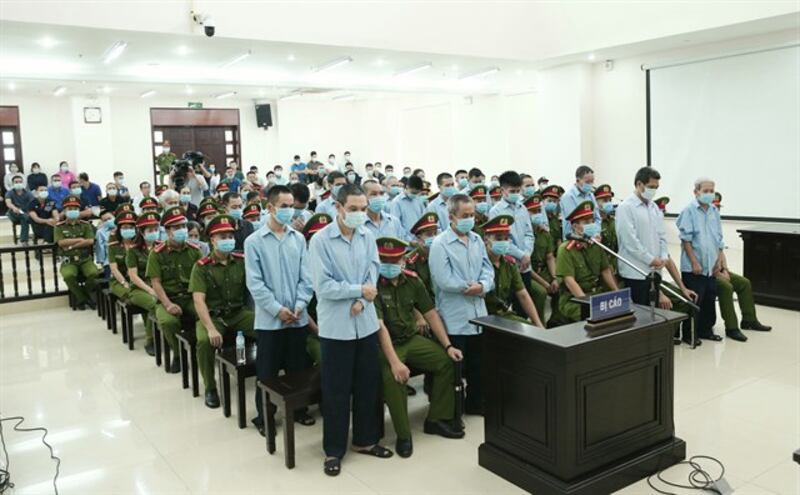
(195, 104)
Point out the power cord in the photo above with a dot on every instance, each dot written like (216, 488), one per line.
(5, 474)
(699, 478)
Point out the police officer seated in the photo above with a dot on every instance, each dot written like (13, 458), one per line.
(400, 292)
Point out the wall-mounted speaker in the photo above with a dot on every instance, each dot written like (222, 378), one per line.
(264, 116)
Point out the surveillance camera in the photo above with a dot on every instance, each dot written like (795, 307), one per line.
(204, 20)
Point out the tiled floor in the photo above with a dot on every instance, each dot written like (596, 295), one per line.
(121, 426)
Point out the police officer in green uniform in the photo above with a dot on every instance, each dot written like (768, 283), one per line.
(582, 268)
(543, 258)
(608, 227)
(219, 290)
(123, 239)
(314, 224)
(141, 292)
(149, 205)
(169, 267)
(400, 293)
(551, 197)
(482, 207)
(509, 290)
(424, 230)
(164, 160)
(75, 239)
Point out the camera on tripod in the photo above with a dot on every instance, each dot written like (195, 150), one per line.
(191, 160)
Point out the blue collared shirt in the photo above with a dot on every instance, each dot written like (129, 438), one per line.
(703, 228)
(569, 201)
(327, 206)
(439, 206)
(389, 227)
(641, 235)
(522, 236)
(101, 245)
(277, 276)
(339, 267)
(57, 195)
(454, 266)
(91, 195)
(408, 210)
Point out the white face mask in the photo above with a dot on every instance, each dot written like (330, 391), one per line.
(331, 161)
(166, 149)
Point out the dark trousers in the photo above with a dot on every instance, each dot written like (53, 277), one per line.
(43, 231)
(283, 349)
(350, 369)
(640, 290)
(706, 288)
(470, 347)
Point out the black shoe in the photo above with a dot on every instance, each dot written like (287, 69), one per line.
(82, 307)
(688, 341)
(176, 366)
(712, 337)
(457, 424)
(736, 335)
(259, 424)
(304, 419)
(150, 349)
(755, 325)
(676, 341)
(411, 391)
(443, 429)
(404, 448)
(92, 304)
(212, 399)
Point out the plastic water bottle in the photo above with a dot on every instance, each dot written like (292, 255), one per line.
(241, 357)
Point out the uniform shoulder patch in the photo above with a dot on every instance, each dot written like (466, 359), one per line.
(204, 260)
(238, 255)
(570, 245)
(192, 245)
(413, 257)
(159, 246)
(510, 259)
(410, 273)
(112, 243)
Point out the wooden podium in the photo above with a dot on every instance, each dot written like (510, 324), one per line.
(570, 414)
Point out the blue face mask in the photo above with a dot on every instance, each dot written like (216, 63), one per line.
(180, 235)
(76, 191)
(43, 194)
(185, 198)
(73, 214)
(151, 236)
(591, 230)
(528, 191)
(705, 198)
(607, 208)
(512, 198)
(335, 191)
(394, 190)
(236, 213)
(539, 219)
(127, 233)
(428, 241)
(500, 248)
(449, 191)
(284, 215)
(550, 207)
(482, 207)
(464, 225)
(586, 188)
(389, 270)
(355, 219)
(226, 245)
(463, 182)
(411, 195)
(377, 203)
(298, 212)
(109, 224)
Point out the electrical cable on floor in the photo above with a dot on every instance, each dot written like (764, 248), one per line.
(5, 473)
(699, 478)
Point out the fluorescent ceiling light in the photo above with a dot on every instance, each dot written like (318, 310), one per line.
(590, 57)
(225, 95)
(413, 69)
(480, 73)
(332, 64)
(290, 96)
(183, 50)
(147, 93)
(236, 60)
(47, 42)
(290, 58)
(104, 89)
(343, 97)
(59, 91)
(114, 51)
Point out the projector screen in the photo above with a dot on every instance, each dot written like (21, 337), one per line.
(736, 120)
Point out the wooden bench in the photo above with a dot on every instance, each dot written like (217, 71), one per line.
(226, 364)
(289, 392)
(187, 342)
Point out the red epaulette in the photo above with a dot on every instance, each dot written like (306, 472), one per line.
(192, 245)
(237, 254)
(112, 243)
(205, 260)
(510, 259)
(413, 257)
(410, 273)
(159, 246)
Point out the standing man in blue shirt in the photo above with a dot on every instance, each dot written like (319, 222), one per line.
(300, 168)
(344, 270)
(447, 188)
(335, 180)
(577, 194)
(409, 206)
(379, 222)
(280, 284)
(462, 275)
(702, 255)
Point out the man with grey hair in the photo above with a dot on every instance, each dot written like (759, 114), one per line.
(169, 198)
(702, 256)
(462, 275)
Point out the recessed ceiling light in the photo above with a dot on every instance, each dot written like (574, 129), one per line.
(480, 73)
(60, 90)
(591, 57)
(414, 68)
(11, 86)
(147, 93)
(47, 42)
(104, 89)
(225, 95)
(237, 59)
(332, 64)
(183, 50)
(380, 62)
(114, 51)
(290, 58)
